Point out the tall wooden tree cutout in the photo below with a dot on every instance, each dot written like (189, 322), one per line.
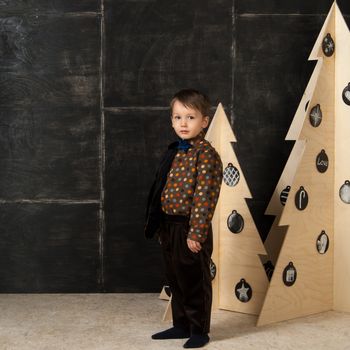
(239, 278)
(277, 233)
(313, 266)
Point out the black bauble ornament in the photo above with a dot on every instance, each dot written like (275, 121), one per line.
(301, 198)
(346, 95)
(231, 175)
(344, 192)
(235, 222)
(322, 161)
(289, 275)
(243, 291)
(315, 116)
(328, 45)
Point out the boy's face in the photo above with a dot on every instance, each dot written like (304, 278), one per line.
(186, 121)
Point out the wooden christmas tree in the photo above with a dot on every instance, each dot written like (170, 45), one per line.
(313, 267)
(240, 280)
(276, 235)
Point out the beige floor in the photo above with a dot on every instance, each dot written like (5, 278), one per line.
(126, 321)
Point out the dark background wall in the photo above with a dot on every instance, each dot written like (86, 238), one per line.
(84, 90)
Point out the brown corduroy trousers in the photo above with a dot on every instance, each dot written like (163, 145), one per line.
(188, 274)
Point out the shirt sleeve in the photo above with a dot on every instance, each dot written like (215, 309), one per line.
(206, 194)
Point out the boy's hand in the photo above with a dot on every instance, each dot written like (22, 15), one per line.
(194, 246)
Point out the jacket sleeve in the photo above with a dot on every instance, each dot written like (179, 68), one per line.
(154, 184)
(206, 194)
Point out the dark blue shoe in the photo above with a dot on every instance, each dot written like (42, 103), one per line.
(172, 333)
(197, 341)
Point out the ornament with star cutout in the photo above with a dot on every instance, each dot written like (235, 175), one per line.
(243, 291)
(315, 116)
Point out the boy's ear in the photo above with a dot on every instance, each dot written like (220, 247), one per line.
(206, 119)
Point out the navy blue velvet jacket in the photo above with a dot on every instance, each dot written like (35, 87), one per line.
(153, 207)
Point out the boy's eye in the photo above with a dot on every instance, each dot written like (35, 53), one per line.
(188, 117)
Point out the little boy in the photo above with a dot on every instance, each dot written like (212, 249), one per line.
(180, 208)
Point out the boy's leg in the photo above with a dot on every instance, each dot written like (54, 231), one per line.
(194, 280)
(168, 230)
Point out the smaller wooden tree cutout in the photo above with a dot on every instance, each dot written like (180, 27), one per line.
(240, 281)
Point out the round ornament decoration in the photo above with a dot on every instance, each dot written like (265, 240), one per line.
(231, 175)
(301, 198)
(322, 161)
(284, 195)
(315, 116)
(268, 266)
(307, 105)
(346, 95)
(212, 268)
(344, 192)
(322, 242)
(235, 222)
(289, 274)
(243, 291)
(167, 291)
(328, 45)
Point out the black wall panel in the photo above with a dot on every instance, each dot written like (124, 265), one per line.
(49, 248)
(50, 126)
(154, 48)
(135, 142)
(50, 60)
(49, 153)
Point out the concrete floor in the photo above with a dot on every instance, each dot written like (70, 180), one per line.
(126, 321)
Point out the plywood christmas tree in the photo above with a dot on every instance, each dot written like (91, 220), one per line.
(240, 281)
(313, 267)
(276, 235)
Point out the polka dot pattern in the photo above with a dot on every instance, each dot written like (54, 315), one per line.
(193, 186)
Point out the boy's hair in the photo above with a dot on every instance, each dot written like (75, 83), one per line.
(194, 99)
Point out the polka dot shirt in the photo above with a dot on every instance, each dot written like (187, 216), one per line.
(193, 186)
